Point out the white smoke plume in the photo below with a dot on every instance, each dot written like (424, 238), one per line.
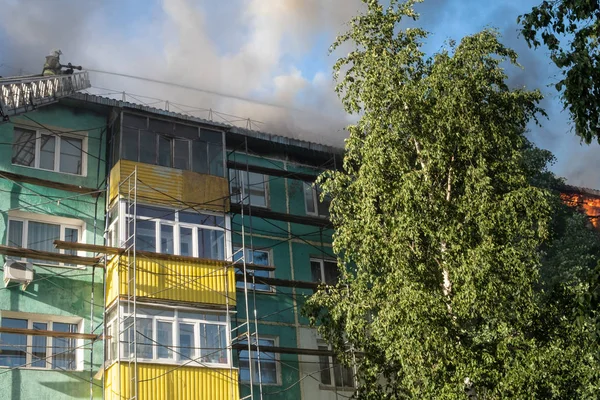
(274, 51)
(249, 48)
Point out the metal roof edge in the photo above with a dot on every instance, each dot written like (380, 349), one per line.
(270, 137)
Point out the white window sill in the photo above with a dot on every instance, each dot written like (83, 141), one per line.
(41, 369)
(336, 388)
(184, 363)
(50, 170)
(263, 384)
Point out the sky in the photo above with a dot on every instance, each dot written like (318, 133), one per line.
(274, 52)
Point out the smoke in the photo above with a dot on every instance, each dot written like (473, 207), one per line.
(274, 51)
(251, 48)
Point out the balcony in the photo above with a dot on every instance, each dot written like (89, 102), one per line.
(172, 278)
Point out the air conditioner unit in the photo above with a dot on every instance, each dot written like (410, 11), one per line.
(18, 271)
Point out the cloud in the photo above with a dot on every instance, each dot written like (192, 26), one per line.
(262, 54)
(260, 49)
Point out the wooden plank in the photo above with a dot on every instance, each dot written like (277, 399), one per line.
(46, 183)
(100, 249)
(35, 332)
(296, 219)
(272, 171)
(284, 350)
(278, 282)
(48, 256)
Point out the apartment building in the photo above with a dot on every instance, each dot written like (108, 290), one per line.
(52, 170)
(176, 256)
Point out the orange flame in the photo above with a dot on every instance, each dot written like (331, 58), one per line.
(590, 205)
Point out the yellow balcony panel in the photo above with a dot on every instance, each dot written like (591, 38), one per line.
(159, 381)
(171, 187)
(180, 279)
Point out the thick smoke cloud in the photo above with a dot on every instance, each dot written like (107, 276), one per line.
(274, 51)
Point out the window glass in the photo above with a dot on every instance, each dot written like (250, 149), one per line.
(167, 242)
(211, 244)
(215, 158)
(63, 349)
(160, 126)
(47, 148)
(155, 212)
(145, 238)
(147, 147)
(186, 241)
(187, 342)
(259, 257)
(331, 272)
(268, 364)
(213, 343)
(71, 155)
(202, 316)
(181, 158)
(135, 121)
(201, 219)
(13, 347)
(15, 233)
(186, 131)
(144, 337)
(343, 374)
(315, 271)
(325, 367)
(71, 235)
(255, 188)
(23, 151)
(156, 312)
(164, 151)
(38, 346)
(164, 333)
(323, 205)
(130, 144)
(199, 157)
(41, 236)
(309, 198)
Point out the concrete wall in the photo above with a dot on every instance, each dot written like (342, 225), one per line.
(57, 291)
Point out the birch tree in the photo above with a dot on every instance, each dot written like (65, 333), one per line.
(438, 225)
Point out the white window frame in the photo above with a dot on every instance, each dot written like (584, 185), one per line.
(49, 320)
(120, 223)
(240, 285)
(64, 223)
(112, 330)
(322, 262)
(316, 201)
(331, 364)
(235, 197)
(275, 341)
(58, 140)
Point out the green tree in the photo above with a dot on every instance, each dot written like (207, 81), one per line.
(439, 227)
(570, 29)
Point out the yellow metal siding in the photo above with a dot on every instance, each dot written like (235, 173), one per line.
(156, 381)
(169, 186)
(201, 281)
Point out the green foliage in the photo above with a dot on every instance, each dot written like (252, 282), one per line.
(445, 243)
(570, 29)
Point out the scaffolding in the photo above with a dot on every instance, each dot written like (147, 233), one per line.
(127, 304)
(244, 332)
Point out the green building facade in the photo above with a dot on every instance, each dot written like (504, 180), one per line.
(52, 171)
(53, 182)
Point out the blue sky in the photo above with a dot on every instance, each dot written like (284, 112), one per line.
(273, 50)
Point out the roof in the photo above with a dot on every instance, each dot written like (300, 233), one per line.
(580, 190)
(278, 140)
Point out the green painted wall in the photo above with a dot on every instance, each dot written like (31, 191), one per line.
(291, 246)
(57, 291)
